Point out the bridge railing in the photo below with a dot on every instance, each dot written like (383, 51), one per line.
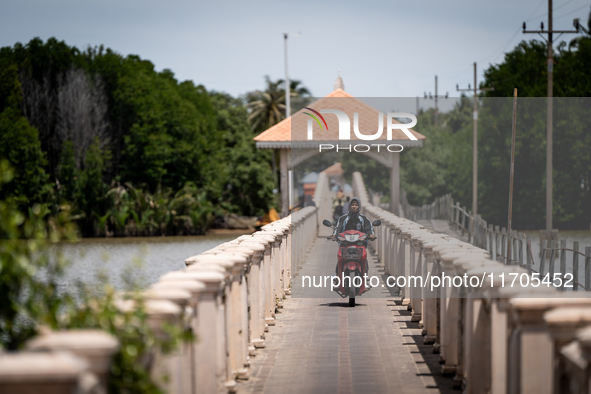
(494, 239)
(230, 296)
(496, 336)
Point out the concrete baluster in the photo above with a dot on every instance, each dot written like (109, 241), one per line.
(163, 366)
(183, 368)
(255, 295)
(416, 301)
(222, 266)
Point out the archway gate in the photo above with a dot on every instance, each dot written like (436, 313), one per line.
(298, 138)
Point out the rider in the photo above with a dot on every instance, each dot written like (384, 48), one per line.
(354, 221)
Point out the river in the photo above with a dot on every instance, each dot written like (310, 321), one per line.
(139, 260)
(142, 260)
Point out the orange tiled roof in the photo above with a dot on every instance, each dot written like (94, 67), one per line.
(335, 169)
(294, 128)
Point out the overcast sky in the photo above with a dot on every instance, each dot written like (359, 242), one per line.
(383, 48)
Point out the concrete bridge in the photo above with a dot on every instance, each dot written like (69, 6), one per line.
(254, 336)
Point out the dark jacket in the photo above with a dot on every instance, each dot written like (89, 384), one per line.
(353, 221)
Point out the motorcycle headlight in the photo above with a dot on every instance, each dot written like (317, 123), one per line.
(352, 237)
(340, 238)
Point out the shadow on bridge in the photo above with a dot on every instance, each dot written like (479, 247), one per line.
(427, 362)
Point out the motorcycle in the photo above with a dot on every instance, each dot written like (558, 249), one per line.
(351, 262)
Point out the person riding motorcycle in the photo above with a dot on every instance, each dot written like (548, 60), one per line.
(354, 221)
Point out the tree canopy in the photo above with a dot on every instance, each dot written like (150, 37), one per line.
(80, 126)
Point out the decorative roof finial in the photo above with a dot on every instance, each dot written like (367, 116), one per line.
(338, 84)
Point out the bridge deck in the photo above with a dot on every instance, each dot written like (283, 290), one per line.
(321, 345)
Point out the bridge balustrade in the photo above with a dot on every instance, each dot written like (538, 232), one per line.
(492, 338)
(229, 295)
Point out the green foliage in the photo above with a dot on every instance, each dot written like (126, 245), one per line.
(28, 276)
(29, 296)
(525, 68)
(139, 212)
(428, 172)
(247, 185)
(126, 318)
(161, 136)
(19, 144)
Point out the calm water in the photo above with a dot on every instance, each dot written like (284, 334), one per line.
(581, 236)
(141, 259)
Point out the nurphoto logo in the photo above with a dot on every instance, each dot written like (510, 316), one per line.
(345, 128)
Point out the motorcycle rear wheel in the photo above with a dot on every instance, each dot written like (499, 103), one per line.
(351, 290)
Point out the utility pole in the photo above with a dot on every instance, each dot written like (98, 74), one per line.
(550, 63)
(475, 140)
(287, 89)
(436, 97)
(287, 163)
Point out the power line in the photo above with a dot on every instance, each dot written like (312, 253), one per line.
(530, 15)
(504, 46)
(545, 14)
(572, 12)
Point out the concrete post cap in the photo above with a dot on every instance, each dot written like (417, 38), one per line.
(276, 225)
(156, 308)
(272, 231)
(261, 235)
(95, 342)
(569, 316)
(425, 235)
(31, 367)
(450, 255)
(254, 245)
(431, 243)
(239, 249)
(162, 308)
(410, 227)
(237, 258)
(225, 260)
(194, 287)
(428, 242)
(416, 233)
(177, 295)
(543, 304)
(179, 276)
(494, 269)
(207, 277)
(450, 244)
(207, 266)
(270, 225)
(264, 241)
(474, 260)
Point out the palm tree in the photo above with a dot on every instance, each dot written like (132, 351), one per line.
(267, 107)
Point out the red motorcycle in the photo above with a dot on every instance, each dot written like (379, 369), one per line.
(351, 263)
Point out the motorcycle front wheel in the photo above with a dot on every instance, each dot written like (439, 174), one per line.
(351, 289)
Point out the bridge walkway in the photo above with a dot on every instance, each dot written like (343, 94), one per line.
(320, 345)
